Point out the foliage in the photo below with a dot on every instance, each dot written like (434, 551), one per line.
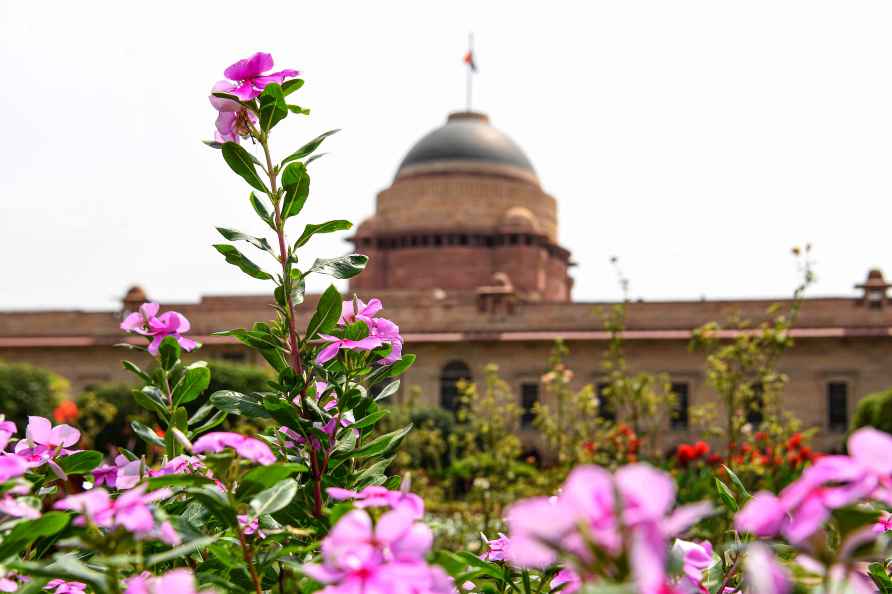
(743, 370)
(26, 390)
(874, 410)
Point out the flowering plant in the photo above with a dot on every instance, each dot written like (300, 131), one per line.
(307, 504)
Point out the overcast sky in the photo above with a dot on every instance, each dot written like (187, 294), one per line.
(698, 141)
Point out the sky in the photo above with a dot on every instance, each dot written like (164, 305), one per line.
(698, 141)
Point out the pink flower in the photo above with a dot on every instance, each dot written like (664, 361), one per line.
(376, 496)
(246, 447)
(43, 442)
(359, 311)
(250, 526)
(7, 430)
(384, 558)
(148, 323)
(696, 558)
(381, 331)
(233, 124)
(130, 510)
(832, 482)
(335, 344)
(15, 508)
(497, 549)
(884, 523)
(763, 515)
(176, 581)
(763, 574)
(567, 578)
(11, 467)
(62, 587)
(539, 525)
(250, 78)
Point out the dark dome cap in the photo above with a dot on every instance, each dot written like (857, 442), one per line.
(467, 139)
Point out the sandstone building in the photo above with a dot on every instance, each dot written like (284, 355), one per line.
(464, 254)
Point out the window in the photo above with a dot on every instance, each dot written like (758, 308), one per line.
(837, 406)
(679, 419)
(606, 408)
(756, 406)
(452, 373)
(529, 396)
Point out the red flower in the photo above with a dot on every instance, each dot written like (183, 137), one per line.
(714, 460)
(701, 448)
(66, 412)
(588, 446)
(795, 441)
(761, 436)
(685, 453)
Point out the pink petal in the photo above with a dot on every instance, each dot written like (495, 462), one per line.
(187, 344)
(340, 494)
(249, 67)
(329, 352)
(65, 435)
(219, 104)
(155, 345)
(39, 430)
(872, 448)
(275, 77)
(133, 323)
(176, 581)
(149, 310)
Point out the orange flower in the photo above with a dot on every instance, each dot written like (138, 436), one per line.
(66, 412)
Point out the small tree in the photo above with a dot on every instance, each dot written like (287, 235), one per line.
(743, 370)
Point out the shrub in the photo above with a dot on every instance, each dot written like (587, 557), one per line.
(874, 410)
(29, 390)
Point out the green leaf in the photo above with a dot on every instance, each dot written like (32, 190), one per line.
(146, 434)
(289, 86)
(194, 381)
(215, 420)
(170, 352)
(382, 445)
(236, 258)
(327, 314)
(264, 477)
(341, 267)
(275, 498)
(150, 398)
(400, 367)
(66, 567)
(80, 462)
(239, 404)
(880, 577)
(27, 532)
(241, 161)
(215, 502)
(371, 419)
(273, 107)
(308, 148)
(193, 546)
(850, 519)
(232, 235)
(726, 495)
(261, 210)
(737, 483)
(326, 227)
(179, 480)
(296, 183)
(388, 390)
(298, 109)
(134, 369)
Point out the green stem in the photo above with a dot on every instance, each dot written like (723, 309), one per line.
(293, 341)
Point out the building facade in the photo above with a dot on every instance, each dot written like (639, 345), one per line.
(464, 253)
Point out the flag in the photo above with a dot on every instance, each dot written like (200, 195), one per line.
(469, 60)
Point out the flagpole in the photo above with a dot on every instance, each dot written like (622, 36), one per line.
(470, 72)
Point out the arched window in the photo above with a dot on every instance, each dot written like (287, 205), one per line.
(449, 377)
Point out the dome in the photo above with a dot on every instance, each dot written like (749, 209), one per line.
(467, 141)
